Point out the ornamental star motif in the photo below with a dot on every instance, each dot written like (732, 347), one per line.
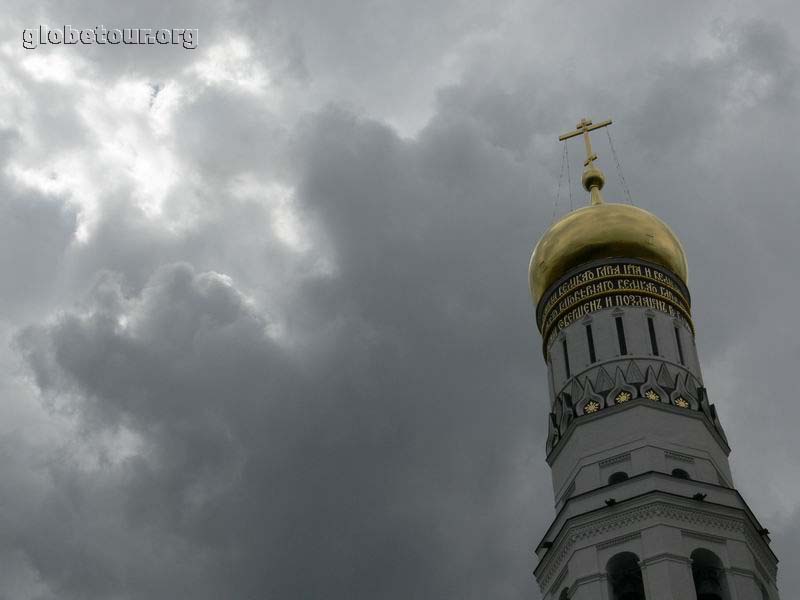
(652, 395)
(681, 401)
(623, 396)
(591, 407)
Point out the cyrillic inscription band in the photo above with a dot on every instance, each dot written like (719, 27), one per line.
(609, 286)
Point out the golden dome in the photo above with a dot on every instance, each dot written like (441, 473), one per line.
(603, 230)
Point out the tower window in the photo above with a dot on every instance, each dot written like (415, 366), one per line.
(617, 477)
(680, 346)
(625, 577)
(623, 347)
(680, 474)
(653, 341)
(710, 582)
(590, 341)
(566, 356)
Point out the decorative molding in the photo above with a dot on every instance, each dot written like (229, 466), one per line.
(562, 576)
(672, 370)
(741, 572)
(657, 558)
(665, 378)
(614, 460)
(584, 580)
(619, 540)
(763, 572)
(595, 386)
(678, 456)
(658, 510)
(567, 422)
(568, 494)
(633, 374)
(703, 536)
(603, 383)
(723, 481)
(589, 579)
(759, 555)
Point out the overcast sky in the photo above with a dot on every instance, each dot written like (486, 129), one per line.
(266, 331)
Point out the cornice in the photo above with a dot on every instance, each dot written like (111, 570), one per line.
(661, 510)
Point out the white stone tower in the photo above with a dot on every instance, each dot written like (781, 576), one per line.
(645, 504)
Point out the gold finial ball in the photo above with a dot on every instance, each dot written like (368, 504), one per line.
(603, 230)
(593, 177)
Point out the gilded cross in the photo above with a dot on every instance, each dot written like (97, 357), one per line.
(584, 127)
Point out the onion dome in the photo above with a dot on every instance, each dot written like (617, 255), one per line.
(602, 230)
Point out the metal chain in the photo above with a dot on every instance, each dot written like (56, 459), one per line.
(619, 167)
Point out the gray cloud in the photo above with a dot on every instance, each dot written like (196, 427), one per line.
(313, 370)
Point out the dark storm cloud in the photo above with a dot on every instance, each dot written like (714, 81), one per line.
(34, 233)
(368, 452)
(364, 417)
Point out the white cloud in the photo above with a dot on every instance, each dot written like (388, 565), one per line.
(280, 200)
(232, 63)
(53, 66)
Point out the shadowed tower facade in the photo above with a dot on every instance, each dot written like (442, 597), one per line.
(646, 508)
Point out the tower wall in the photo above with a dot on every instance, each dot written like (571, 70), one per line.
(639, 458)
(638, 437)
(662, 531)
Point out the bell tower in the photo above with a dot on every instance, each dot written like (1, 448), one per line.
(646, 508)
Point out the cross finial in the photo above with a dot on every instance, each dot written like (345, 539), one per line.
(593, 178)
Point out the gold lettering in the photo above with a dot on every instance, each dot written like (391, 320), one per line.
(582, 293)
(632, 270)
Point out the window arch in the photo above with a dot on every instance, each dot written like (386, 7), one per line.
(680, 474)
(617, 477)
(709, 576)
(625, 577)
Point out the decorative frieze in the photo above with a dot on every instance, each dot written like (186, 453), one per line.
(594, 392)
(619, 540)
(678, 456)
(659, 511)
(703, 536)
(614, 460)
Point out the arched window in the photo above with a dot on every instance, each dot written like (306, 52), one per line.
(625, 577)
(680, 474)
(709, 576)
(617, 477)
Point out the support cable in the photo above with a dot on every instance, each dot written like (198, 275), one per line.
(569, 178)
(560, 179)
(619, 168)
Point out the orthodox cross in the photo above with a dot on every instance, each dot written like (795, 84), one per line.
(584, 127)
